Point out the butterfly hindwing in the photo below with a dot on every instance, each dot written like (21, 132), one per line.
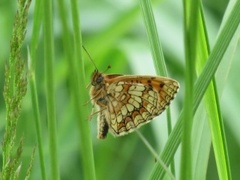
(134, 101)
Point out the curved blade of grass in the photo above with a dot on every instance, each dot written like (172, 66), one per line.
(200, 86)
(50, 92)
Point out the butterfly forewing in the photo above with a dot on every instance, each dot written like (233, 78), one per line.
(126, 102)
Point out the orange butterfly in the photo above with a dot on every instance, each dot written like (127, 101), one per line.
(125, 102)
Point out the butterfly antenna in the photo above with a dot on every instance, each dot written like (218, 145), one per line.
(89, 57)
(107, 68)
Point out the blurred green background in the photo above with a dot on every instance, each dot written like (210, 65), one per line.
(114, 34)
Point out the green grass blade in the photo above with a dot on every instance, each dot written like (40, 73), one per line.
(201, 85)
(36, 114)
(190, 40)
(201, 145)
(81, 98)
(31, 70)
(50, 92)
(213, 110)
(218, 51)
(36, 29)
(152, 33)
(200, 135)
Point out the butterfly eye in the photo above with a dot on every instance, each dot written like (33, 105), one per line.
(99, 79)
(96, 81)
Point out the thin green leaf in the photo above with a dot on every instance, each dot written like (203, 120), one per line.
(191, 9)
(36, 112)
(213, 110)
(81, 98)
(50, 92)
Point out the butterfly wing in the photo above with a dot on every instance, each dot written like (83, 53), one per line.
(135, 100)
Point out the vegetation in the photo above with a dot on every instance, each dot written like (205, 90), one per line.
(45, 128)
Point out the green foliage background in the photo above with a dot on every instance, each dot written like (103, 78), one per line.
(114, 34)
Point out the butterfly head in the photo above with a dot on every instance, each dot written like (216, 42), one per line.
(97, 78)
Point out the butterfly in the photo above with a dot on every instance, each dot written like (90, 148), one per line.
(126, 102)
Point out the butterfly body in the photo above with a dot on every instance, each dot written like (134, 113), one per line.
(125, 102)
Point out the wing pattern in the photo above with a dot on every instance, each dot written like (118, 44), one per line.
(135, 100)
